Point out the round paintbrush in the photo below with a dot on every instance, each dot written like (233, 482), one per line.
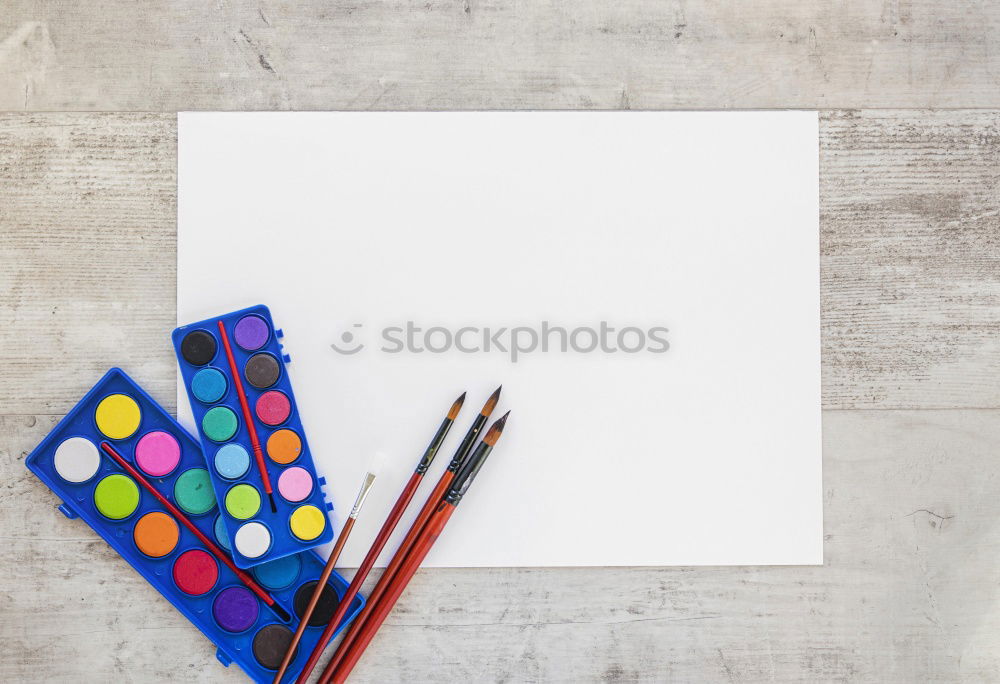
(345, 533)
(383, 536)
(419, 551)
(241, 394)
(464, 449)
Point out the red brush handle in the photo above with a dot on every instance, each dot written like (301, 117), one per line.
(359, 577)
(245, 578)
(247, 416)
(397, 560)
(409, 568)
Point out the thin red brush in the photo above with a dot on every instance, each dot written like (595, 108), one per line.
(383, 536)
(176, 512)
(331, 563)
(411, 536)
(258, 454)
(421, 547)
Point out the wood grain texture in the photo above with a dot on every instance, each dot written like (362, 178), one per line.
(910, 240)
(470, 54)
(88, 237)
(908, 592)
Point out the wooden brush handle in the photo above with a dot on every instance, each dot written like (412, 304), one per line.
(331, 563)
(359, 577)
(397, 560)
(409, 568)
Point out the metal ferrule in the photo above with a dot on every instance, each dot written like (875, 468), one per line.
(467, 474)
(466, 446)
(433, 447)
(366, 487)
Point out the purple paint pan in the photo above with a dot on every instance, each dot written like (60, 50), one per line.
(251, 332)
(235, 609)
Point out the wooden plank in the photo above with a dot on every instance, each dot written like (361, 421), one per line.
(910, 207)
(88, 238)
(189, 54)
(909, 217)
(908, 592)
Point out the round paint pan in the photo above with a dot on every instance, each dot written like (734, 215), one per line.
(221, 535)
(117, 416)
(76, 460)
(251, 332)
(262, 370)
(235, 609)
(219, 423)
(156, 534)
(325, 607)
(270, 644)
(116, 496)
(232, 461)
(198, 347)
(284, 446)
(280, 573)
(195, 572)
(157, 453)
(307, 522)
(252, 540)
(193, 492)
(295, 484)
(242, 501)
(273, 408)
(209, 385)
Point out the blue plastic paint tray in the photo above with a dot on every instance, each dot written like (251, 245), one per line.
(213, 380)
(95, 488)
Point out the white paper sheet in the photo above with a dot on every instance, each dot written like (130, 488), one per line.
(702, 223)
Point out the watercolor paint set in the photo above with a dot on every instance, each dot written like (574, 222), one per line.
(122, 464)
(259, 464)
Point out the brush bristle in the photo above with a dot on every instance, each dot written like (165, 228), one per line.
(456, 407)
(491, 403)
(493, 434)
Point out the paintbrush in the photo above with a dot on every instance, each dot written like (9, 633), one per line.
(419, 551)
(176, 512)
(383, 536)
(366, 486)
(425, 513)
(258, 453)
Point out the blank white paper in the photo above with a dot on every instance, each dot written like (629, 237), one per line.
(705, 224)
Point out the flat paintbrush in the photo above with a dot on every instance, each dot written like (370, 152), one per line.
(425, 513)
(383, 536)
(421, 547)
(331, 563)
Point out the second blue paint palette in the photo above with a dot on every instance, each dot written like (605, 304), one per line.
(74, 461)
(234, 372)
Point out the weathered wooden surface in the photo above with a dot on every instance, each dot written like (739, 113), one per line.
(89, 245)
(469, 54)
(908, 593)
(910, 239)
(910, 219)
(910, 214)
